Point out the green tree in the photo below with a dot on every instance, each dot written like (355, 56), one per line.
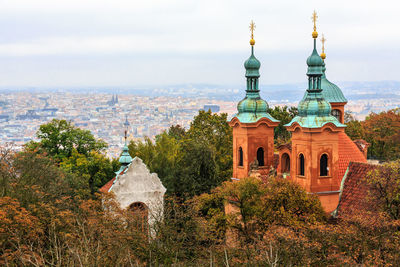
(213, 130)
(93, 169)
(354, 127)
(58, 138)
(284, 115)
(190, 162)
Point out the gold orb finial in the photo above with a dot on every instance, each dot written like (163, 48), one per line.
(252, 28)
(323, 40)
(314, 19)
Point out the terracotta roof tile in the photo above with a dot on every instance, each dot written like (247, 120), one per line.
(348, 152)
(354, 189)
(105, 188)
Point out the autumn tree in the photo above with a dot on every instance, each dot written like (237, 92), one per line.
(384, 182)
(382, 131)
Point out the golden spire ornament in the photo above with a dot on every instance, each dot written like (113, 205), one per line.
(314, 19)
(252, 28)
(323, 40)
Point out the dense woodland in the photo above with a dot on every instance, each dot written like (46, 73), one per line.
(51, 213)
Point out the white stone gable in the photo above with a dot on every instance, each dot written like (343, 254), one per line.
(137, 184)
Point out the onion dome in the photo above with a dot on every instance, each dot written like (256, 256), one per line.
(331, 91)
(314, 110)
(252, 65)
(252, 108)
(125, 159)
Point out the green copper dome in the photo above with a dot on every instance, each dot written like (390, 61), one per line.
(252, 108)
(314, 62)
(331, 91)
(125, 159)
(252, 65)
(314, 110)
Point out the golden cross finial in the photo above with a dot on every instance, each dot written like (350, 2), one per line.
(314, 18)
(323, 40)
(252, 28)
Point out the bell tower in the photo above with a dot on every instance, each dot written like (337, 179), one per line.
(253, 127)
(316, 135)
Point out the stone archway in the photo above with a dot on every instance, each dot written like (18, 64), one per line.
(140, 215)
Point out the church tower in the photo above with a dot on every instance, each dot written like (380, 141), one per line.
(253, 127)
(314, 159)
(331, 91)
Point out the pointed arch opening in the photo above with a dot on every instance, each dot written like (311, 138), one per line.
(301, 165)
(260, 156)
(240, 156)
(323, 165)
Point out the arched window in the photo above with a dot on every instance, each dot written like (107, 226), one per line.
(336, 113)
(260, 156)
(285, 163)
(323, 165)
(140, 215)
(240, 156)
(301, 164)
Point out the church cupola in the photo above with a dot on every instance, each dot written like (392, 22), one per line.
(314, 110)
(253, 127)
(331, 92)
(313, 156)
(125, 159)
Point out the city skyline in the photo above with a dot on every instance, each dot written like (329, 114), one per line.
(99, 43)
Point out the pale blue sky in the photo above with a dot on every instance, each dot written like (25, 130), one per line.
(132, 43)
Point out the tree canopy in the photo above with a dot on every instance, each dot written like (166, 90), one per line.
(190, 162)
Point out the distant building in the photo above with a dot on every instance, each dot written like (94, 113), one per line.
(213, 108)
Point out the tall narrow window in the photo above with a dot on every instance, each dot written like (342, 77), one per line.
(336, 113)
(323, 165)
(285, 163)
(240, 156)
(301, 163)
(260, 156)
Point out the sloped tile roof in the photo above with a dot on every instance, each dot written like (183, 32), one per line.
(105, 188)
(348, 152)
(354, 189)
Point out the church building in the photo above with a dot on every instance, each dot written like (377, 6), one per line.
(319, 153)
(136, 189)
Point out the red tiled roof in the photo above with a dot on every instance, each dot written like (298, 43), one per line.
(355, 189)
(348, 152)
(105, 188)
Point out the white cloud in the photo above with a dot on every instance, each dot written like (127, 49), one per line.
(45, 30)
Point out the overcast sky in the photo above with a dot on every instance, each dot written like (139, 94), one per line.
(160, 42)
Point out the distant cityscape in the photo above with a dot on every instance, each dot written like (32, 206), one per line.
(149, 112)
